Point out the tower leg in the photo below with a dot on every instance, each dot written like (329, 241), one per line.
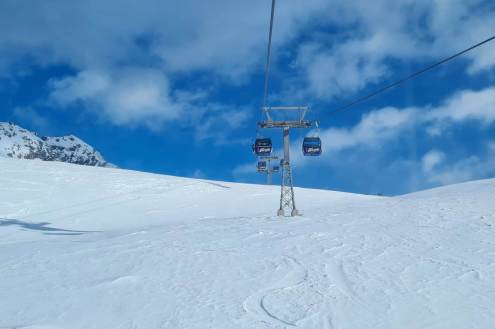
(287, 202)
(269, 174)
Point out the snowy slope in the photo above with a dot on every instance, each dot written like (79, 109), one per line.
(19, 143)
(84, 247)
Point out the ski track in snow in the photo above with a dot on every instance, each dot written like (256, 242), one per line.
(166, 252)
(256, 304)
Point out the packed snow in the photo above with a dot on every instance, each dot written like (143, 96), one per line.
(84, 247)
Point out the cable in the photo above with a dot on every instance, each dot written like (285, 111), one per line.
(409, 77)
(268, 55)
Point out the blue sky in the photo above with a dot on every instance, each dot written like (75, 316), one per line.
(175, 87)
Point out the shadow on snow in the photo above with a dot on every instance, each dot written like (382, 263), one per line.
(42, 227)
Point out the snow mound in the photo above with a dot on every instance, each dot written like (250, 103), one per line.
(84, 247)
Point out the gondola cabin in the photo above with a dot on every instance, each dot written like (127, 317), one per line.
(276, 169)
(311, 146)
(262, 146)
(261, 166)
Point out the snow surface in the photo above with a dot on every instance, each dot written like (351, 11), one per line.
(84, 247)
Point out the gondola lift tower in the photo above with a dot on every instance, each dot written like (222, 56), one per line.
(263, 146)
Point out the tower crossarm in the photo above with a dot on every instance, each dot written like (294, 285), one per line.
(285, 124)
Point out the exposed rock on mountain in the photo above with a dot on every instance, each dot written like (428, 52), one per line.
(19, 143)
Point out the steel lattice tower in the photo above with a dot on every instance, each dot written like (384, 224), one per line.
(287, 201)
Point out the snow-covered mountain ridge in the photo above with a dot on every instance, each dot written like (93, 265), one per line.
(91, 248)
(19, 143)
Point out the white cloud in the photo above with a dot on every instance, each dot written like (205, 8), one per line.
(373, 129)
(382, 125)
(431, 160)
(128, 54)
(468, 105)
(220, 123)
(229, 37)
(125, 97)
(83, 87)
(440, 170)
(463, 170)
(226, 37)
(343, 69)
(135, 97)
(371, 33)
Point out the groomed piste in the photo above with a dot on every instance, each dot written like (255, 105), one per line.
(84, 247)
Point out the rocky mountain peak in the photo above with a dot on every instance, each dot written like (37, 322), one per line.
(19, 143)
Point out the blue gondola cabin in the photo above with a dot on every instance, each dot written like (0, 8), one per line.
(262, 146)
(261, 166)
(311, 146)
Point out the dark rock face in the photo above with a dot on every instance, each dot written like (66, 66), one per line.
(19, 143)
